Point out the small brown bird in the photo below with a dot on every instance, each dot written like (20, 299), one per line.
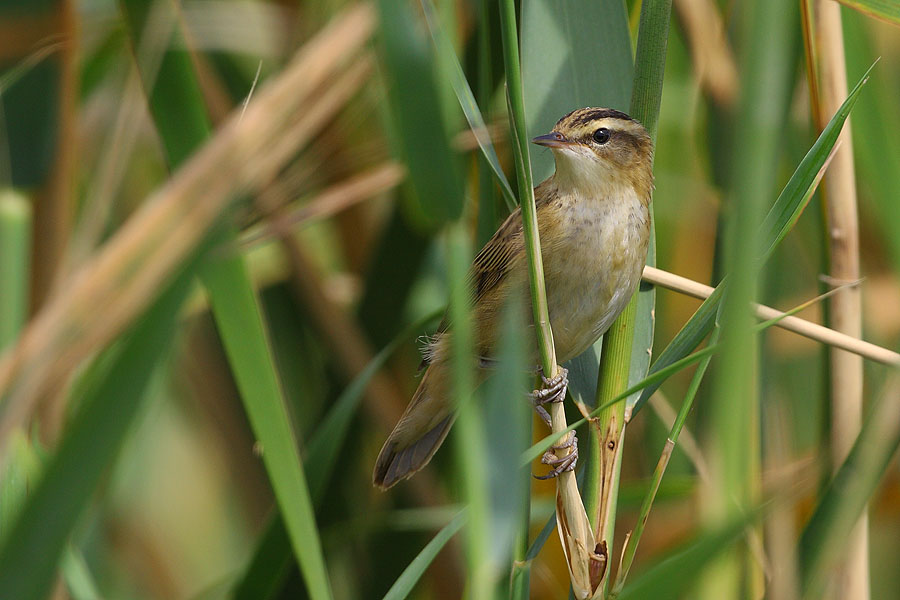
(594, 226)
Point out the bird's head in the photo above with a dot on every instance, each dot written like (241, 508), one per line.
(601, 147)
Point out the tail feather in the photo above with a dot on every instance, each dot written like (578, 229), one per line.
(420, 432)
(395, 464)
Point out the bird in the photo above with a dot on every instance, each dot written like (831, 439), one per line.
(593, 216)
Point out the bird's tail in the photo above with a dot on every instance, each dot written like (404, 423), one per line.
(420, 432)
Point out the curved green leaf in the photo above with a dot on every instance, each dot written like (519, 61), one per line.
(673, 575)
(848, 492)
(886, 10)
(411, 575)
(467, 101)
(31, 551)
(417, 115)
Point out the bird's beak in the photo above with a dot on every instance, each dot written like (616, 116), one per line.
(552, 140)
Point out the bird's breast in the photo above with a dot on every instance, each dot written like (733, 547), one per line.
(594, 253)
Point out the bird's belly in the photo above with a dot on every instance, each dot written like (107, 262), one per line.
(593, 277)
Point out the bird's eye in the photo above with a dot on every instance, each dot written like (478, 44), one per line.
(601, 136)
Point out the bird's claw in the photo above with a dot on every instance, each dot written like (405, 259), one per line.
(560, 464)
(553, 390)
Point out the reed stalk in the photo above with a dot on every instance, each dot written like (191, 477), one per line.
(574, 528)
(844, 314)
(734, 445)
(615, 363)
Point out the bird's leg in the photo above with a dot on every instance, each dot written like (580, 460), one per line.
(560, 463)
(553, 390)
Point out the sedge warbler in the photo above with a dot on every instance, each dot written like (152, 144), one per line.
(594, 226)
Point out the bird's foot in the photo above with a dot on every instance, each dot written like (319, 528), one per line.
(560, 464)
(553, 390)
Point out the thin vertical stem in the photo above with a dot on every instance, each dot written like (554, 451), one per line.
(53, 208)
(615, 364)
(470, 447)
(15, 233)
(735, 444)
(574, 527)
(844, 314)
(631, 542)
(516, 100)
(487, 204)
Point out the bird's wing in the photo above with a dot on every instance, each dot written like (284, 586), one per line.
(498, 256)
(490, 266)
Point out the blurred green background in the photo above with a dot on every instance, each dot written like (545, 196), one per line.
(102, 101)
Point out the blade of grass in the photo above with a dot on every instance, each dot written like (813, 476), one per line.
(799, 189)
(633, 539)
(471, 446)
(488, 217)
(467, 101)
(575, 53)
(734, 485)
(178, 111)
(824, 538)
(671, 577)
(326, 442)
(239, 320)
(78, 578)
(266, 570)
(874, 116)
(422, 134)
(516, 104)
(30, 554)
(18, 472)
(15, 242)
(507, 430)
(22, 67)
(574, 527)
(688, 337)
(886, 10)
(615, 368)
(408, 579)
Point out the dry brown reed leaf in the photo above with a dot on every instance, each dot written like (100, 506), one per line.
(117, 149)
(315, 114)
(315, 118)
(800, 326)
(334, 199)
(109, 291)
(466, 140)
(253, 28)
(105, 183)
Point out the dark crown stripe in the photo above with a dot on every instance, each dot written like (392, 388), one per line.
(583, 116)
